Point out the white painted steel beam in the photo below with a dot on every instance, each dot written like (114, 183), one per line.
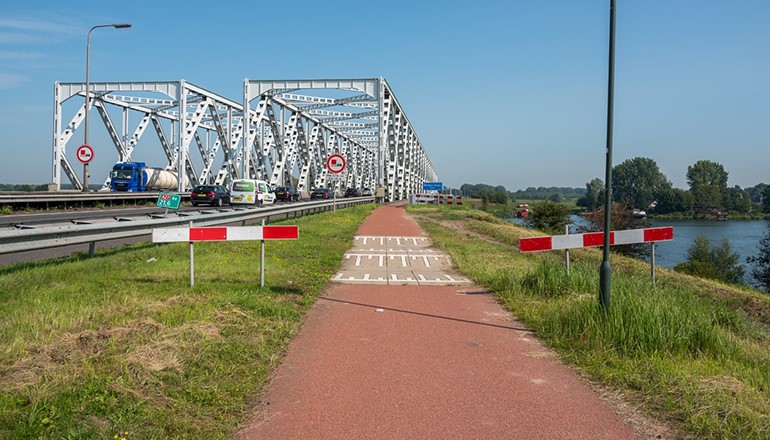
(283, 131)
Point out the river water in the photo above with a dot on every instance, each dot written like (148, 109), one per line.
(743, 235)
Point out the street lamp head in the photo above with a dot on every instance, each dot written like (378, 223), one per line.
(121, 25)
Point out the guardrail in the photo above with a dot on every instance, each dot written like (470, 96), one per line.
(77, 198)
(58, 236)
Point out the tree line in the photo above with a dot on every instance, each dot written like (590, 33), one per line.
(22, 188)
(639, 183)
(499, 194)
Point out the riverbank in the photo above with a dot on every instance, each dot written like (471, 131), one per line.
(711, 217)
(689, 353)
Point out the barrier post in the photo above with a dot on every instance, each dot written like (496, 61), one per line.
(652, 262)
(566, 251)
(262, 260)
(192, 262)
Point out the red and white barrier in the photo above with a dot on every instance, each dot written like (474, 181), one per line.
(571, 241)
(230, 233)
(435, 199)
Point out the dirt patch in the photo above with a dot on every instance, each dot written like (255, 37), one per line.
(632, 413)
(64, 353)
(460, 226)
(156, 357)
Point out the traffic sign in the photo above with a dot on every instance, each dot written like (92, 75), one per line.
(85, 154)
(432, 186)
(336, 163)
(168, 200)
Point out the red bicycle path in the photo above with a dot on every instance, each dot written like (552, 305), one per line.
(422, 362)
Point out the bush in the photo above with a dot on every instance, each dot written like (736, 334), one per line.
(548, 217)
(713, 262)
(761, 262)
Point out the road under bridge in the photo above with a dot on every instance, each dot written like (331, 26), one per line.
(282, 132)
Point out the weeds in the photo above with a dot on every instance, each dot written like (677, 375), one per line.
(117, 344)
(693, 352)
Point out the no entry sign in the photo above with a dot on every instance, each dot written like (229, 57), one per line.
(336, 163)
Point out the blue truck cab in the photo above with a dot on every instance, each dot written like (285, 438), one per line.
(128, 176)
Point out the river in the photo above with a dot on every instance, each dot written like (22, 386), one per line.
(743, 235)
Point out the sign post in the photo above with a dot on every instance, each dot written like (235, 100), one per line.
(168, 201)
(225, 233)
(85, 155)
(336, 164)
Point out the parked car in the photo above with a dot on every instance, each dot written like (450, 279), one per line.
(214, 195)
(352, 192)
(286, 194)
(367, 192)
(321, 193)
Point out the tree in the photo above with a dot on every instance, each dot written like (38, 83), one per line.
(755, 192)
(636, 182)
(548, 216)
(761, 262)
(673, 200)
(766, 199)
(714, 262)
(590, 201)
(736, 200)
(708, 183)
(501, 197)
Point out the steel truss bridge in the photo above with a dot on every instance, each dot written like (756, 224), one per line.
(282, 132)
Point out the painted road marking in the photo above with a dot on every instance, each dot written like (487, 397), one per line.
(410, 260)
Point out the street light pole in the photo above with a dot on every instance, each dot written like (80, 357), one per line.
(605, 270)
(88, 89)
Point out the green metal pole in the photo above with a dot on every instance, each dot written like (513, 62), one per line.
(605, 271)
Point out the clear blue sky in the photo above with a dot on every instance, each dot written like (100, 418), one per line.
(508, 92)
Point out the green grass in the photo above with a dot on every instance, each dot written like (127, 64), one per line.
(120, 345)
(694, 353)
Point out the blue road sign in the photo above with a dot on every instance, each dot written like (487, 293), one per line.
(432, 186)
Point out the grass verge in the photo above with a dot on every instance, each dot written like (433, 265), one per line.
(694, 353)
(120, 346)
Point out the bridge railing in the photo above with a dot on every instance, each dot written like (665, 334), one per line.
(59, 236)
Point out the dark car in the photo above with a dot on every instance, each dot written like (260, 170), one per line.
(352, 192)
(286, 194)
(214, 195)
(321, 193)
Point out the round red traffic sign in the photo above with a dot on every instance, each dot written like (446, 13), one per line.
(85, 154)
(336, 163)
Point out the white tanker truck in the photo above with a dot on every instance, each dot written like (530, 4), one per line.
(137, 177)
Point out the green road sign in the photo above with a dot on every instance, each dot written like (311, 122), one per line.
(169, 201)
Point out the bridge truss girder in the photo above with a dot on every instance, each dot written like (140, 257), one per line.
(365, 123)
(181, 114)
(285, 139)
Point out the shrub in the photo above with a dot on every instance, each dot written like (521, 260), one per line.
(713, 262)
(548, 217)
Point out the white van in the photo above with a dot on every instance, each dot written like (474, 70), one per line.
(250, 192)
